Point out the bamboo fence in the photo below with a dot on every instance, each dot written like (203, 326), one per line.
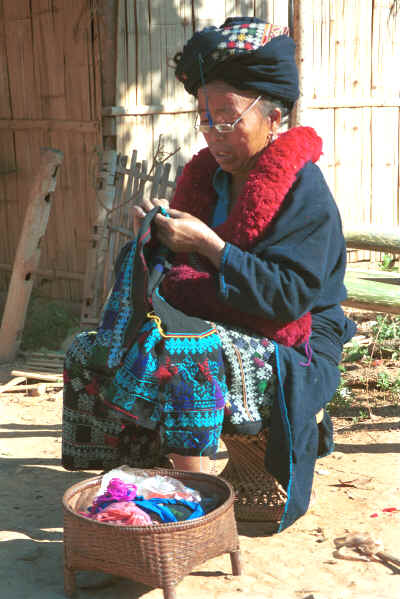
(65, 84)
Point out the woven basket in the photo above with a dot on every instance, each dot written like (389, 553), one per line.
(159, 555)
(258, 495)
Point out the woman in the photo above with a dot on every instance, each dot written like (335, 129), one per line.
(258, 248)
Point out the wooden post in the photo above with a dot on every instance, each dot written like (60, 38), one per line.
(96, 256)
(302, 18)
(28, 254)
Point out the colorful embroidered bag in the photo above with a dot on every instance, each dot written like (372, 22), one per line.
(159, 366)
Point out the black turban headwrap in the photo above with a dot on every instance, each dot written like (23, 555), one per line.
(244, 53)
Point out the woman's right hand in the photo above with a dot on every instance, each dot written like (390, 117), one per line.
(140, 210)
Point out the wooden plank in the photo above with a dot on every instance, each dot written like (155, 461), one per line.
(352, 36)
(23, 87)
(384, 239)
(39, 376)
(60, 241)
(144, 92)
(5, 99)
(243, 8)
(385, 142)
(108, 49)
(376, 291)
(352, 162)
(8, 194)
(97, 253)
(50, 124)
(385, 50)
(323, 122)
(12, 383)
(137, 110)
(27, 157)
(122, 82)
(264, 9)
(353, 102)
(49, 274)
(76, 22)
(49, 60)
(27, 256)
(39, 388)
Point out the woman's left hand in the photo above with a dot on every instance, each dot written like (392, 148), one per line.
(182, 232)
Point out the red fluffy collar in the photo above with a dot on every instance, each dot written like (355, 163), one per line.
(196, 291)
(263, 192)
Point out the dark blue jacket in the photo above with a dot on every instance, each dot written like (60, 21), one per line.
(298, 267)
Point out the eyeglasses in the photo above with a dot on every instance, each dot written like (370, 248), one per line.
(224, 127)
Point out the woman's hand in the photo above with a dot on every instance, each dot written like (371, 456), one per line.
(140, 211)
(182, 232)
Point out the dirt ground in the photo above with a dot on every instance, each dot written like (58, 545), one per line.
(353, 486)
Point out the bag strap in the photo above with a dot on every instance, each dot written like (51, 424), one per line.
(145, 276)
(149, 268)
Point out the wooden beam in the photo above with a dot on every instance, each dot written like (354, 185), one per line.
(12, 383)
(378, 291)
(348, 102)
(51, 274)
(148, 109)
(53, 124)
(38, 376)
(373, 237)
(28, 254)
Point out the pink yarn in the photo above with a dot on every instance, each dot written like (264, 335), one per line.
(116, 490)
(123, 513)
(258, 362)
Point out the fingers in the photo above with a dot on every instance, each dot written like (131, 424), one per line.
(160, 202)
(145, 206)
(138, 216)
(176, 213)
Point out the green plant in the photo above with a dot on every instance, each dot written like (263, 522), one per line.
(384, 382)
(47, 324)
(386, 328)
(388, 262)
(342, 398)
(354, 353)
(362, 415)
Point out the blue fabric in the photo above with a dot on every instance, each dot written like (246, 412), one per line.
(298, 267)
(221, 184)
(269, 70)
(159, 506)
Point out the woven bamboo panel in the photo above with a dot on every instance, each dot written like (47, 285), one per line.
(353, 100)
(49, 97)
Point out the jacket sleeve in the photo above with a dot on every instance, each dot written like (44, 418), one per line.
(284, 275)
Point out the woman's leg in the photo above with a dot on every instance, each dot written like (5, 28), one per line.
(192, 463)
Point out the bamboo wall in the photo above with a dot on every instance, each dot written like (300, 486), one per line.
(49, 96)
(154, 103)
(352, 98)
(53, 71)
(351, 89)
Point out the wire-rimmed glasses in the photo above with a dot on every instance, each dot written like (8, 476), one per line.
(223, 127)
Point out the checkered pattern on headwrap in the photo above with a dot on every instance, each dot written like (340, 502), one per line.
(245, 52)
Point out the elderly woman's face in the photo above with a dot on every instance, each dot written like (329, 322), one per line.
(235, 152)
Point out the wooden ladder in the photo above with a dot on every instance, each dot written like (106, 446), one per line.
(120, 187)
